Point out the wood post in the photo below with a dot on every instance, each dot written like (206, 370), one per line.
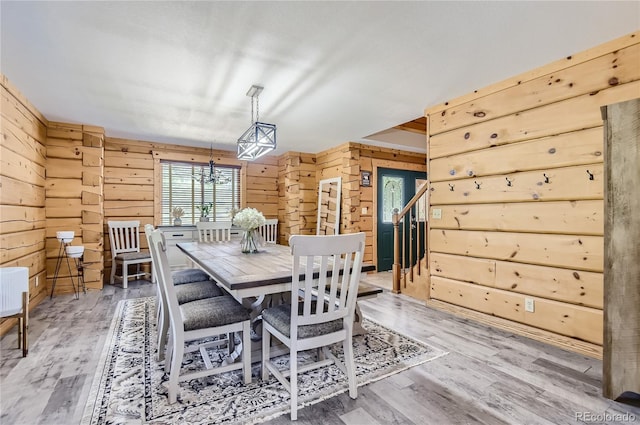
(621, 359)
(396, 253)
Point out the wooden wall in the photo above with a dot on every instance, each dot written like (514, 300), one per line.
(74, 201)
(517, 172)
(298, 195)
(23, 137)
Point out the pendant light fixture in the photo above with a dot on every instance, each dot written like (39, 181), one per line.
(215, 176)
(260, 137)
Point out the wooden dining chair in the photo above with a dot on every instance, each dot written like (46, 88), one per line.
(196, 320)
(269, 231)
(125, 250)
(322, 315)
(214, 231)
(190, 285)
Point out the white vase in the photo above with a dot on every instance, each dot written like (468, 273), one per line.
(177, 221)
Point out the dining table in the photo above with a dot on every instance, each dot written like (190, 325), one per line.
(258, 280)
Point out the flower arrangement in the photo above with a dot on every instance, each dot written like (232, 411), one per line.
(177, 212)
(249, 219)
(205, 208)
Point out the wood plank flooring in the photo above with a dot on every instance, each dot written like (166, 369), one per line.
(489, 376)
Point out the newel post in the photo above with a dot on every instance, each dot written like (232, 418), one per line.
(396, 252)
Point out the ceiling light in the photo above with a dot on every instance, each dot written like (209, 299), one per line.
(260, 137)
(215, 176)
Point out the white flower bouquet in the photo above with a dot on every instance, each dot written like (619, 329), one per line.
(249, 219)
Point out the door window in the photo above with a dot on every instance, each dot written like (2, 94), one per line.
(392, 196)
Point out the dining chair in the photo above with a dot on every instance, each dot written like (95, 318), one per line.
(321, 310)
(214, 231)
(125, 250)
(269, 231)
(14, 300)
(206, 318)
(190, 285)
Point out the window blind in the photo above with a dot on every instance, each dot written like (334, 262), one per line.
(181, 189)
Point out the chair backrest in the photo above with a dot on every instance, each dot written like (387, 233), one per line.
(214, 231)
(158, 250)
(269, 231)
(13, 282)
(124, 236)
(335, 294)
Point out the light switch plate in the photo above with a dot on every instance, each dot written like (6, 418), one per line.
(436, 213)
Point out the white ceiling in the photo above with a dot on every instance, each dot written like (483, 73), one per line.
(332, 72)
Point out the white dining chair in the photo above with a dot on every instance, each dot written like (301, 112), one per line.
(196, 320)
(214, 231)
(190, 285)
(319, 315)
(14, 300)
(269, 231)
(125, 251)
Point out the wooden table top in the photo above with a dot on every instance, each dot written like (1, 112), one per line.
(268, 271)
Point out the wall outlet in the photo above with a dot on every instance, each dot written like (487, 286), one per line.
(37, 283)
(529, 305)
(436, 213)
(365, 210)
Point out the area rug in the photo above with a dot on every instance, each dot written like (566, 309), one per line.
(129, 386)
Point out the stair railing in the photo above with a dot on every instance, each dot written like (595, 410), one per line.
(401, 270)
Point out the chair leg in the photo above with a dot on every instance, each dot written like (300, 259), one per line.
(25, 323)
(114, 265)
(293, 381)
(347, 346)
(169, 354)
(125, 272)
(162, 329)
(266, 344)
(176, 362)
(246, 351)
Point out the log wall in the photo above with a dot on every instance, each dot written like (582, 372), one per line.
(23, 137)
(74, 201)
(516, 170)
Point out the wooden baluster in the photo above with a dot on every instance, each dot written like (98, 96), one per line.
(396, 253)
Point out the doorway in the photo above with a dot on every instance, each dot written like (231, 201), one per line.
(395, 188)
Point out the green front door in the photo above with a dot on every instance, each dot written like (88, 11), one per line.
(395, 189)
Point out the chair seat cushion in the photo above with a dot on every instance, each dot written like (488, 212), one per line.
(189, 275)
(128, 256)
(212, 312)
(280, 318)
(194, 291)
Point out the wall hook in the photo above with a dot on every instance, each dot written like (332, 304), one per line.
(590, 175)
(508, 181)
(477, 184)
(451, 186)
(546, 178)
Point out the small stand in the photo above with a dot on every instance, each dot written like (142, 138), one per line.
(69, 251)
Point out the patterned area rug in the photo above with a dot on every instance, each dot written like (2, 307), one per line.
(129, 385)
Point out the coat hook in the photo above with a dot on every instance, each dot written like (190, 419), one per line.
(451, 186)
(546, 178)
(508, 181)
(590, 175)
(477, 184)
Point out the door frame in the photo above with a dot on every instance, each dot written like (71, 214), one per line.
(384, 163)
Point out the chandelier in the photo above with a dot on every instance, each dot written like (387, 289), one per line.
(215, 176)
(260, 137)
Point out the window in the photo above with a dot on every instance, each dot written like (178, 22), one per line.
(180, 189)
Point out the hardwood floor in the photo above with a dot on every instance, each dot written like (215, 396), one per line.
(488, 377)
